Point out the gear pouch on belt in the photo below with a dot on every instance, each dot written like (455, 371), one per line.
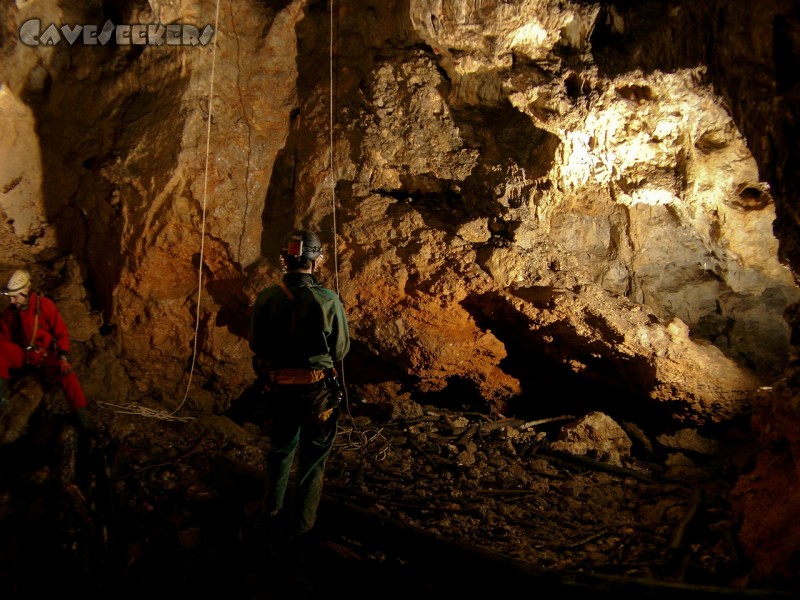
(327, 406)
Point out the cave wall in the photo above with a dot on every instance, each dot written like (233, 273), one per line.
(478, 149)
(520, 194)
(545, 172)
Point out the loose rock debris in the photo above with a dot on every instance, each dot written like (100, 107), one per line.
(561, 499)
(500, 485)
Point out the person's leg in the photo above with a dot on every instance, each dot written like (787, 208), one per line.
(73, 392)
(316, 443)
(12, 356)
(284, 436)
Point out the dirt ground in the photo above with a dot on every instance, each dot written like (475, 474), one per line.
(418, 500)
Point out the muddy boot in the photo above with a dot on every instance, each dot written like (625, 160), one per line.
(4, 393)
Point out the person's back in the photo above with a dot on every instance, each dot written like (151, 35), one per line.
(298, 325)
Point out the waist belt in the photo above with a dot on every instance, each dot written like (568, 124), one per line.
(297, 376)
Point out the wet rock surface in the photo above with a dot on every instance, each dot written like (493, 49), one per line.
(419, 500)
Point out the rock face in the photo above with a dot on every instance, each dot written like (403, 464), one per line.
(526, 204)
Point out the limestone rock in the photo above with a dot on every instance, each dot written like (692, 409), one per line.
(596, 435)
(520, 200)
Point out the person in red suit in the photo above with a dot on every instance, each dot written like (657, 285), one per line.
(33, 335)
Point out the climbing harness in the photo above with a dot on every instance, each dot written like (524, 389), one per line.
(34, 355)
(36, 311)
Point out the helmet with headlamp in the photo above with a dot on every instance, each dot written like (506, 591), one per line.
(303, 244)
(19, 284)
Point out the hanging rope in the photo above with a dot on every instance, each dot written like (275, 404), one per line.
(135, 409)
(203, 224)
(333, 170)
(331, 100)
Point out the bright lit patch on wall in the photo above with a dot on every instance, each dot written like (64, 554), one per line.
(579, 162)
(582, 163)
(652, 197)
(530, 39)
(668, 129)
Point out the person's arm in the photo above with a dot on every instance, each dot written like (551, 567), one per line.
(340, 332)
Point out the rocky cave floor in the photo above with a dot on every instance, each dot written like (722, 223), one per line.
(419, 501)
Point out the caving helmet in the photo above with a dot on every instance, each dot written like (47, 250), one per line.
(18, 290)
(303, 243)
(300, 251)
(18, 284)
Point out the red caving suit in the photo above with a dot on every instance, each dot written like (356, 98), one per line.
(52, 337)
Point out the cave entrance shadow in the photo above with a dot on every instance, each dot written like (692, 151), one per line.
(541, 359)
(460, 394)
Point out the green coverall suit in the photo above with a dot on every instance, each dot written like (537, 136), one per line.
(305, 331)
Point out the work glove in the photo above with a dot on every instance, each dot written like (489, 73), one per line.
(64, 366)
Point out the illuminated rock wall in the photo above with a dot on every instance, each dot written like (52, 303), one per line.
(524, 203)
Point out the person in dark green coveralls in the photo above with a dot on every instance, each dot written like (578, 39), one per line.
(298, 332)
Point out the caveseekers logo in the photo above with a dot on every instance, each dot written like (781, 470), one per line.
(32, 34)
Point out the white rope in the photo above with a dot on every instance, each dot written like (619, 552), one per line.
(333, 170)
(143, 411)
(333, 186)
(203, 224)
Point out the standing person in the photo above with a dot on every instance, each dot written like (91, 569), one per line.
(33, 335)
(298, 332)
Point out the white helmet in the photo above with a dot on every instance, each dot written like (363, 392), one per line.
(18, 283)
